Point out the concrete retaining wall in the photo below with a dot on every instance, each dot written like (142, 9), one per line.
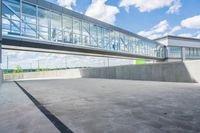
(171, 72)
(188, 71)
(72, 73)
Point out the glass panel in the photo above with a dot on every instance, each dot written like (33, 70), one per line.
(137, 45)
(10, 27)
(43, 17)
(86, 33)
(43, 33)
(175, 52)
(76, 31)
(28, 13)
(68, 37)
(56, 27)
(100, 37)
(131, 44)
(10, 17)
(93, 35)
(29, 20)
(44, 28)
(126, 43)
(113, 41)
(56, 35)
(28, 30)
(122, 42)
(67, 23)
(11, 9)
(117, 40)
(106, 38)
(67, 29)
(76, 38)
(76, 26)
(85, 28)
(56, 21)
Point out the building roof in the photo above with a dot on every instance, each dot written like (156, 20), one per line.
(178, 38)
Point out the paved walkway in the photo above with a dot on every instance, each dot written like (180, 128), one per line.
(19, 115)
(101, 106)
(120, 106)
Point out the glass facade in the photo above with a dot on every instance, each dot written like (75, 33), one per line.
(22, 19)
(192, 52)
(174, 52)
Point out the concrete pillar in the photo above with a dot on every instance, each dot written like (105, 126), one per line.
(1, 20)
(182, 53)
(166, 52)
(0, 31)
(1, 72)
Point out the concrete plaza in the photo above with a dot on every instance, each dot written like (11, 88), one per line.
(103, 106)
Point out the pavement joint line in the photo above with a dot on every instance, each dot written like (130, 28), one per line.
(54, 120)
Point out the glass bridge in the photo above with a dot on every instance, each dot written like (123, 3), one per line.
(45, 22)
(43, 25)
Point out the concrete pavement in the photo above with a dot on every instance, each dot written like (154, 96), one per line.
(120, 106)
(19, 115)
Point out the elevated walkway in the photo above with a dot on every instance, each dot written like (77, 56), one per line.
(38, 25)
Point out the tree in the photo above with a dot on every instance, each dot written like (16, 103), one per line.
(18, 69)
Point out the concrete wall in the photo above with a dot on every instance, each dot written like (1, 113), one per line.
(188, 71)
(72, 73)
(1, 77)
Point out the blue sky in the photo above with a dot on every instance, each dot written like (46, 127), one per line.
(142, 16)
(149, 18)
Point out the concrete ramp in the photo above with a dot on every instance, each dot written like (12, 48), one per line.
(188, 71)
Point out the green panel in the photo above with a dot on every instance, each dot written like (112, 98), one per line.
(140, 61)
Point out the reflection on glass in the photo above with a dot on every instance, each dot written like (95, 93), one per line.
(67, 29)
(76, 31)
(28, 25)
(56, 27)
(35, 22)
(43, 24)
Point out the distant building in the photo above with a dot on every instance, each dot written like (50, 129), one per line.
(187, 47)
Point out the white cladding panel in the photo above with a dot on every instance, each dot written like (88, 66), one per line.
(184, 42)
(163, 41)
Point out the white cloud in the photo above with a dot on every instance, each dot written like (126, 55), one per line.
(67, 3)
(149, 5)
(198, 35)
(161, 27)
(99, 10)
(156, 31)
(186, 35)
(174, 30)
(175, 7)
(192, 23)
